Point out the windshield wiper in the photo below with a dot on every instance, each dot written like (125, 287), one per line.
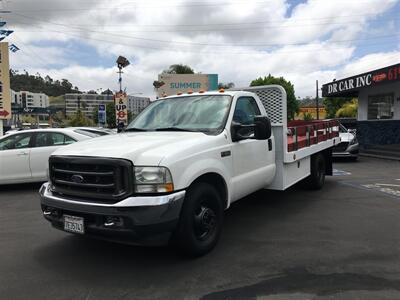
(175, 129)
(135, 129)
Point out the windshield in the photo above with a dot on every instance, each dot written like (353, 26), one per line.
(193, 113)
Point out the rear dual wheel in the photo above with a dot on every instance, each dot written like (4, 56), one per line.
(316, 179)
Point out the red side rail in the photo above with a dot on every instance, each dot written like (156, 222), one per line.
(303, 134)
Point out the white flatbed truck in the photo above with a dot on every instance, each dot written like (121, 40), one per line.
(182, 162)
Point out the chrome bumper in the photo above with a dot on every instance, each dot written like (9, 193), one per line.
(137, 201)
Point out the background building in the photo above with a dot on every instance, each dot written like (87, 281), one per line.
(27, 99)
(308, 109)
(86, 102)
(378, 93)
(137, 104)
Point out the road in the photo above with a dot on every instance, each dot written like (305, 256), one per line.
(341, 242)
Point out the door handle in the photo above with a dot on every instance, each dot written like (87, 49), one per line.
(22, 153)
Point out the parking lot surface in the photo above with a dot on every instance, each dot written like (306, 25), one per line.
(341, 242)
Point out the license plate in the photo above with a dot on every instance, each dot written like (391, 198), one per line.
(74, 224)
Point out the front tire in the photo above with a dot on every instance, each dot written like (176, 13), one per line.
(200, 222)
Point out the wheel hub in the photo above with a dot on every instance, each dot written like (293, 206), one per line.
(205, 221)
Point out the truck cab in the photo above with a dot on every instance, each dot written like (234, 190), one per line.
(179, 165)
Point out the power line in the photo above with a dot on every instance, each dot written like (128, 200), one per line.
(211, 52)
(136, 4)
(208, 44)
(209, 29)
(234, 24)
(30, 50)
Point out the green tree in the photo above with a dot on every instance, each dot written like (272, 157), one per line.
(38, 84)
(292, 102)
(348, 110)
(307, 116)
(179, 69)
(226, 86)
(79, 119)
(332, 105)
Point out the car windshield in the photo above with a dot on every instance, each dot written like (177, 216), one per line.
(206, 113)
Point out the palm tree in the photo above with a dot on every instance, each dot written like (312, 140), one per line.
(179, 69)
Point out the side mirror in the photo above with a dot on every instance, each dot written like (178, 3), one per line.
(235, 132)
(262, 128)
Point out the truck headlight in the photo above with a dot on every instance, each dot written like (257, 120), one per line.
(153, 180)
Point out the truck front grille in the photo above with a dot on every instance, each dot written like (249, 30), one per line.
(104, 180)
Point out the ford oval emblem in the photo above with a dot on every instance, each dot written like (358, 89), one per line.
(77, 178)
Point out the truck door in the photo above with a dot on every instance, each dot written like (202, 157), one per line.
(253, 161)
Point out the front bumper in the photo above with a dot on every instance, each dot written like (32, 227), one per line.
(351, 151)
(144, 220)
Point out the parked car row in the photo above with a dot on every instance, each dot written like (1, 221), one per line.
(24, 154)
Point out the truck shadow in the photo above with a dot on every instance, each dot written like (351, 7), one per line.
(21, 187)
(253, 215)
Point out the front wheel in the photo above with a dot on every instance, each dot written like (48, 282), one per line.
(200, 222)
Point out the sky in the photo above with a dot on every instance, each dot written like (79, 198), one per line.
(301, 40)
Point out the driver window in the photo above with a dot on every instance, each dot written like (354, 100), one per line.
(245, 111)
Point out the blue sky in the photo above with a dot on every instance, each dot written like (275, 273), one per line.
(239, 40)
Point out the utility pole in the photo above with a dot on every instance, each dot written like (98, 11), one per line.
(317, 100)
(120, 78)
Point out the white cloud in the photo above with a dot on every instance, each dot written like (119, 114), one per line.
(314, 42)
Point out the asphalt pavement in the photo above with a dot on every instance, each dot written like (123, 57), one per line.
(341, 242)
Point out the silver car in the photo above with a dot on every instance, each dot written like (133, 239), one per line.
(348, 146)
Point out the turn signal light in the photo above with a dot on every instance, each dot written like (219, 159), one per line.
(201, 91)
(221, 90)
(179, 93)
(190, 92)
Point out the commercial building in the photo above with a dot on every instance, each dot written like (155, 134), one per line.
(137, 104)
(378, 93)
(25, 99)
(86, 102)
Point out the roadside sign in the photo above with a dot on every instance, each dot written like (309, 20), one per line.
(5, 93)
(121, 108)
(102, 114)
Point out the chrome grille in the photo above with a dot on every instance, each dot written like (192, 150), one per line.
(103, 179)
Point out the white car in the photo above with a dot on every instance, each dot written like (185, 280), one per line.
(24, 154)
(348, 146)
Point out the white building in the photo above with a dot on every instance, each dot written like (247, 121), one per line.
(87, 103)
(26, 99)
(137, 104)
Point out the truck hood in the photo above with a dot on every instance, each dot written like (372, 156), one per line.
(142, 148)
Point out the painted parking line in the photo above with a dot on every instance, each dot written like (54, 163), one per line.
(383, 188)
(336, 172)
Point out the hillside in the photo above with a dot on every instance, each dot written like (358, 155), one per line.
(38, 84)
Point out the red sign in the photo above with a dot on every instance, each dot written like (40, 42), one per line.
(4, 113)
(121, 114)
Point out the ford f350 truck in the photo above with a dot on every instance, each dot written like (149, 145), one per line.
(182, 162)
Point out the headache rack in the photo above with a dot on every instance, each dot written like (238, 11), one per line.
(105, 180)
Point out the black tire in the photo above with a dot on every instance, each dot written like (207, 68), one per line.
(316, 179)
(200, 221)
